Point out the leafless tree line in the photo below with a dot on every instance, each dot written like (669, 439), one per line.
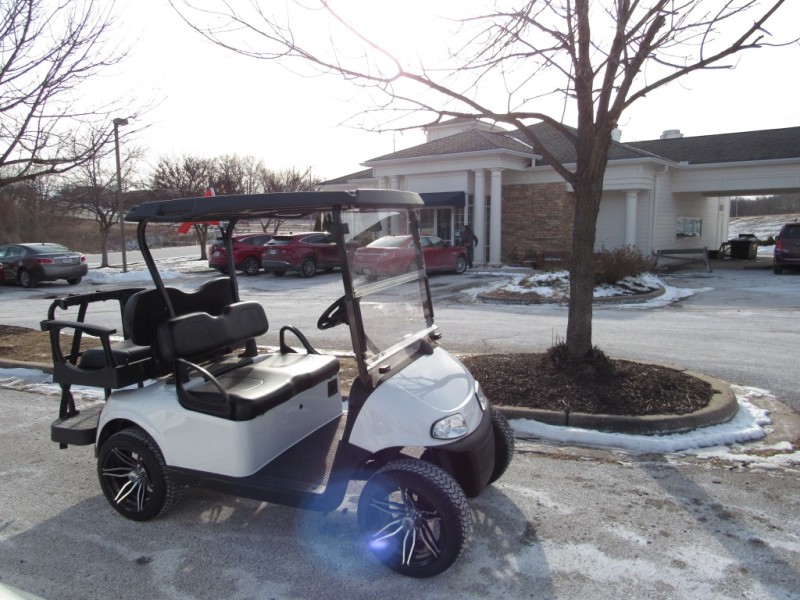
(779, 204)
(34, 210)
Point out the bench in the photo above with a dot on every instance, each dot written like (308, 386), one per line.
(684, 255)
(249, 387)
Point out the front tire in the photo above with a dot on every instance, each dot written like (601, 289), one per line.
(414, 517)
(133, 475)
(25, 279)
(250, 266)
(503, 444)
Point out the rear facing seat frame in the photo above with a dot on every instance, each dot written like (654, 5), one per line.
(119, 364)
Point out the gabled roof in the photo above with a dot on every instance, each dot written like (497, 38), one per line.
(769, 144)
(365, 174)
(473, 140)
(561, 147)
(480, 141)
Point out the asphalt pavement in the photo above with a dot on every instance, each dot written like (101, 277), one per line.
(563, 522)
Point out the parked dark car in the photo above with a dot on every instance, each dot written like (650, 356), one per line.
(787, 248)
(28, 264)
(305, 253)
(247, 250)
(395, 254)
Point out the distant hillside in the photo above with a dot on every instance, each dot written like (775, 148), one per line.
(762, 226)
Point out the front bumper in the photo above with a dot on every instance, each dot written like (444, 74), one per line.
(470, 459)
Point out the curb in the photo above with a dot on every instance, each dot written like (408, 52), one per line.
(486, 297)
(721, 409)
(21, 364)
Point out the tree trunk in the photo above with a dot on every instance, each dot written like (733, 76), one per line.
(592, 158)
(202, 237)
(582, 269)
(103, 247)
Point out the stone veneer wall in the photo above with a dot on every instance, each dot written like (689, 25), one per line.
(537, 221)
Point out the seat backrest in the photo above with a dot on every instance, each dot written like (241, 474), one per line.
(146, 310)
(211, 297)
(200, 334)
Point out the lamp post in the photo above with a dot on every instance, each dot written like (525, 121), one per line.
(117, 124)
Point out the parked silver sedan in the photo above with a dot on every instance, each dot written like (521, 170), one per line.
(28, 264)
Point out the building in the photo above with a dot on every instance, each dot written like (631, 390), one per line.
(669, 193)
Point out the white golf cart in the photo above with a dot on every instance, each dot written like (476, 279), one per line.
(191, 401)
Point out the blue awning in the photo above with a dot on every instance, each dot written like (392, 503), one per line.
(436, 199)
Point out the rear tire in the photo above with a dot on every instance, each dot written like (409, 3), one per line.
(461, 264)
(133, 475)
(250, 266)
(777, 269)
(74, 280)
(308, 268)
(414, 517)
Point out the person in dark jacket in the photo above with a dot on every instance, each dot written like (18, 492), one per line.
(469, 240)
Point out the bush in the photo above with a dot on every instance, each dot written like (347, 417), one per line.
(615, 265)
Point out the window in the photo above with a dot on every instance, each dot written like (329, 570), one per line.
(688, 227)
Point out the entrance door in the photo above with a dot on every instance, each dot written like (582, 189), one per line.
(444, 225)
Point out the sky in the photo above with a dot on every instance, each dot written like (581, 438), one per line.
(212, 102)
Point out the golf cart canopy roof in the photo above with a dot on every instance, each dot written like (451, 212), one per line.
(280, 205)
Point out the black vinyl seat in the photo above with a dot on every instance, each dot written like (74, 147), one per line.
(250, 388)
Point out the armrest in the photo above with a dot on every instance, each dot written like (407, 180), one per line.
(183, 368)
(54, 326)
(95, 330)
(83, 300)
(285, 348)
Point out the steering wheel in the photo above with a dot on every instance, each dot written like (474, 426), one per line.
(334, 315)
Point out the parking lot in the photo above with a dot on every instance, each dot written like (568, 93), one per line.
(565, 522)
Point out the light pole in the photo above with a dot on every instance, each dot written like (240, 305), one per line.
(117, 124)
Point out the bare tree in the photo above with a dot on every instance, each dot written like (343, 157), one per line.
(49, 49)
(287, 180)
(599, 56)
(26, 211)
(90, 190)
(186, 177)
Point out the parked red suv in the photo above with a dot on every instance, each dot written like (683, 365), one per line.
(787, 248)
(247, 250)
(305, 253)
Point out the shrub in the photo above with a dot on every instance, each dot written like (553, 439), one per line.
(615, 265)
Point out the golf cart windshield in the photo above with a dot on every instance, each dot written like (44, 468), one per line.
(388, 283)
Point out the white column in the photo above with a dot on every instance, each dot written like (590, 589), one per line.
(496, 225)
(394, 182)
(479, 215)
(630, 218)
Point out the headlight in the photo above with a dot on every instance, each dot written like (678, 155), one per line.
(481, 396)
(450, 428)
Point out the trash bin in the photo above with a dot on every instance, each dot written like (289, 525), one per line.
(744, 247)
